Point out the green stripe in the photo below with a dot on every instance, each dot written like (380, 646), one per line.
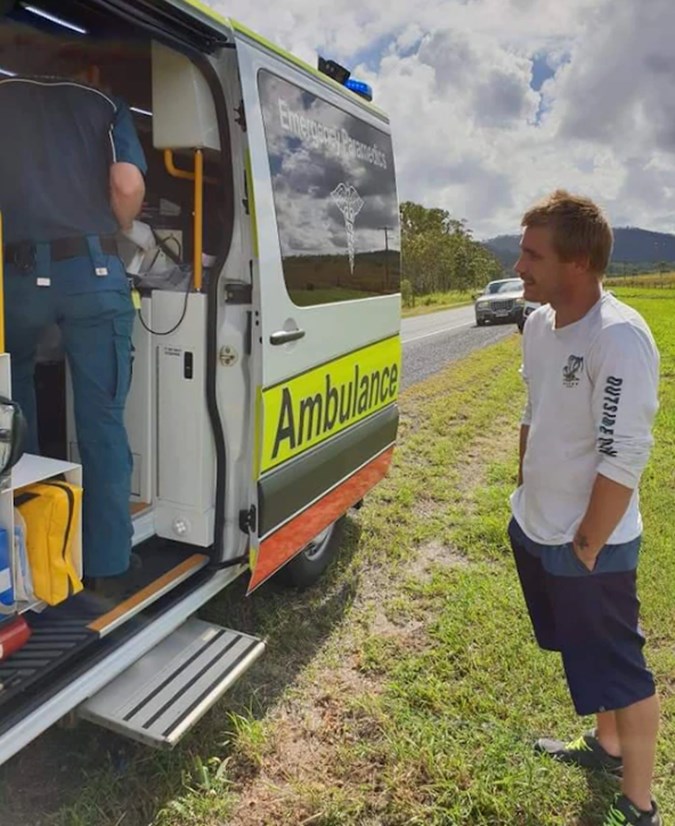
(288, 490)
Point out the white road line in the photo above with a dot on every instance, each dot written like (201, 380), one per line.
(438, 332)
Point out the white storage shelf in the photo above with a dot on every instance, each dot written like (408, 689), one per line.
(27, 471)
(31, 469)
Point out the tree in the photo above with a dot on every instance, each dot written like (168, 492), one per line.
(439, 253)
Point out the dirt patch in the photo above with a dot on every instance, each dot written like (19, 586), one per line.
(435, 554)
(428, 508)
(409, 423)
(301, 755)
(500, 444)
(302, 763)
(384, 626)
(302, 758)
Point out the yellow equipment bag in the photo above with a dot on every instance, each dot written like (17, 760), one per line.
(51, 511)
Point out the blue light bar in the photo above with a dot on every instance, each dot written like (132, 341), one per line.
(360, 88)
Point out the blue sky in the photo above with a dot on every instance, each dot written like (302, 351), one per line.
(541, 70)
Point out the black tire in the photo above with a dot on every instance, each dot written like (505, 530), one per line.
(480, 322)
(307, 567)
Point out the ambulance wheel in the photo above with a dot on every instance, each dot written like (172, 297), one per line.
(307, 567)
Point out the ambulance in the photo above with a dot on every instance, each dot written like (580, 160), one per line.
(263, 407)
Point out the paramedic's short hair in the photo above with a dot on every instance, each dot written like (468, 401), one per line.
(578, 226)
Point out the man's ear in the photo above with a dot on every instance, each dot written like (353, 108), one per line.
(582, 264)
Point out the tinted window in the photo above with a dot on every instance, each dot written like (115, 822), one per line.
(334, 196)
(504, 286)
(511, 287)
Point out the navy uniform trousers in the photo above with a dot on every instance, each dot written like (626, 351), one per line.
(95, 314)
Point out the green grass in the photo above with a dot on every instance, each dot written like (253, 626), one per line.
(406, 688)
(433, 302)
(462, 713)
(650, 280)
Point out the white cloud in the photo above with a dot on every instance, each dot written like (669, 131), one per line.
(470, 133)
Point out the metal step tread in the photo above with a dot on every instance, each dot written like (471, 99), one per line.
(162, 695)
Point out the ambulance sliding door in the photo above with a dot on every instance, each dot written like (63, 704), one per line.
(326, 339)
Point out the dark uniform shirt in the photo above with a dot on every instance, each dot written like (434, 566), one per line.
(58, 139)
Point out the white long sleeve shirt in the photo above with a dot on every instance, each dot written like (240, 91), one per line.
(592, 397)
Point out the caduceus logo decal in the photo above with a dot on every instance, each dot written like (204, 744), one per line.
(350, 203)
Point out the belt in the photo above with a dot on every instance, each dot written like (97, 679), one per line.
(22, 253)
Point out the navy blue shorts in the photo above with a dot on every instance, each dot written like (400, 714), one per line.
(591, 618)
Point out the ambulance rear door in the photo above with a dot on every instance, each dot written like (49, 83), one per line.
(326, 271)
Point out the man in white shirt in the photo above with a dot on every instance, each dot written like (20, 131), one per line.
(592, 369)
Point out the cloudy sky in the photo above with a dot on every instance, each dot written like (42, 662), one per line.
(495, 102)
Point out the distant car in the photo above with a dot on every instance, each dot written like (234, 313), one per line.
(501, 301)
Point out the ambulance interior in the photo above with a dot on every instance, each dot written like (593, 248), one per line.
(178, 241)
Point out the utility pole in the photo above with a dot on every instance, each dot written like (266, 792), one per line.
(386, 256)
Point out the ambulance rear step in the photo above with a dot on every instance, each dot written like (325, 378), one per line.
(162, 695)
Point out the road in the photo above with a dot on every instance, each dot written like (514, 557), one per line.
(434, 340)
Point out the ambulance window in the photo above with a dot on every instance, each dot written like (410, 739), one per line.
(334, 196)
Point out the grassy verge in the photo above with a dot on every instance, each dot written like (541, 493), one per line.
(406, 689)
(434, 302)
(650, 280)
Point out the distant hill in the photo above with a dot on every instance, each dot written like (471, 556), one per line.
(632, 246)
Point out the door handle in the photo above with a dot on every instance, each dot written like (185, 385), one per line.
(284, 336)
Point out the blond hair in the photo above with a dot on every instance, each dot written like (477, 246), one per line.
(578, 227)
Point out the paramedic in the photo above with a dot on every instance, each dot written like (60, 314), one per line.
(591, 368)
(71, 174)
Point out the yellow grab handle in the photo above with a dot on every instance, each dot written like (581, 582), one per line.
(198, 177)
(198, 220)
(2, 291)
(173, 170)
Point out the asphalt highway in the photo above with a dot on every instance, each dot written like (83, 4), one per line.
(434, 340)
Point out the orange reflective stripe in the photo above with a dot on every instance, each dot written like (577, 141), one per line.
(285, 543)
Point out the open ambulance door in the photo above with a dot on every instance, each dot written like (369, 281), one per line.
(325, 344)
